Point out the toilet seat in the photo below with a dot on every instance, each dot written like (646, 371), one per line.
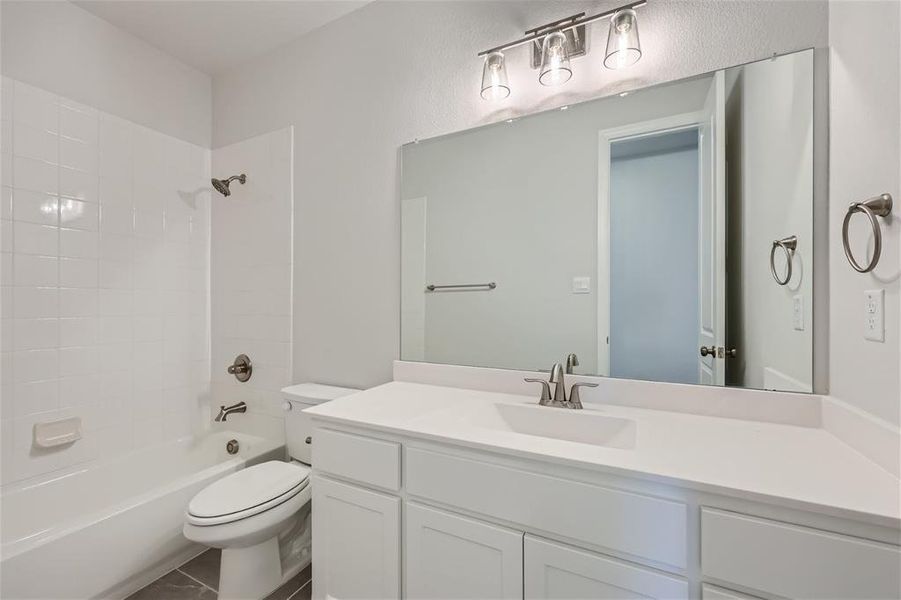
(247, 492)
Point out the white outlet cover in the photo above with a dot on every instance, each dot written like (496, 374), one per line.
(798, 312)
(874, 315)
(581, 285)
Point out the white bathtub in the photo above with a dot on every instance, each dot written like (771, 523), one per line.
(111, 528)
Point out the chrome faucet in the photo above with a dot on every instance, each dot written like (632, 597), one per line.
(224, 411)
(558, 379)
(571, 361)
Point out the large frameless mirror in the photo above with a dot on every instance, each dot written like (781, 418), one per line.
(662, 235)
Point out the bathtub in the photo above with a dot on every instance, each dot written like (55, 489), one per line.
(107, 530)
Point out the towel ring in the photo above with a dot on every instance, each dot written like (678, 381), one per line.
(788, 245)
(877, 206)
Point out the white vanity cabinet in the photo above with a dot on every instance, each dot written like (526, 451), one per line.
(358, 553)
(450, 556)
(556, 571)
(403, 517)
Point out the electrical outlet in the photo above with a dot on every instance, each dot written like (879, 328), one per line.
(798, 312)
(874, 315)
(581, 285)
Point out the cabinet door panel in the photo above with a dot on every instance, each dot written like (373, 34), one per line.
(555, 571)
(449, 556)
(356, 542)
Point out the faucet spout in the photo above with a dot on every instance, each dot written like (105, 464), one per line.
(557, 378)
(224, 411)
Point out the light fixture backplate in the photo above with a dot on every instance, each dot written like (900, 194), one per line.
(576, 44)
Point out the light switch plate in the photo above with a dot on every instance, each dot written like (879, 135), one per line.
(874, 315)
(581, 285)
(798, 312)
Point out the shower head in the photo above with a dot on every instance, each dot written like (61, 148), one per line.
(222, 186)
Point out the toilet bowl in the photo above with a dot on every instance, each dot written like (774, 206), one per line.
(259, 516)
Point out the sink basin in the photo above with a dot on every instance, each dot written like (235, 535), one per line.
(582, 426)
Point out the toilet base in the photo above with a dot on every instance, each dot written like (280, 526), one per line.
(250, 573)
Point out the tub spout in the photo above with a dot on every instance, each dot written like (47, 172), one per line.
(224, 411)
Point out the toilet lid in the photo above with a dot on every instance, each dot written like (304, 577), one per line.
(248, 488)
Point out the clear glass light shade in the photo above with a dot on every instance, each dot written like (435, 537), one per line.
(555, 67)
(623, 47)
(494, 78)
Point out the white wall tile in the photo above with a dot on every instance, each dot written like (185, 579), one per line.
(35, 207)
(35, 334)
(77, 302)
(33, 302)
(36, 397)
(77, 214)
(35, 175)
(75, 243)
(79, 360)
(29, 238)
(251, 266)
(34, 143)
(35, 365)
(32, 270)
(78, 331)
(78, 122)
(76, 154)
(78, 184)
(88, 273)
(78, 273)
(114, 188)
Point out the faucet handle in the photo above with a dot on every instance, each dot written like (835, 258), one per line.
(574, 397)
(545, 389)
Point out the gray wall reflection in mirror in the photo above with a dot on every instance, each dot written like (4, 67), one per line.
(633, 230)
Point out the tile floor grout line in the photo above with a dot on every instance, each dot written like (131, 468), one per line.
(197, 580)
(300, 589)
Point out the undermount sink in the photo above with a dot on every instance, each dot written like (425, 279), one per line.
(582, 426)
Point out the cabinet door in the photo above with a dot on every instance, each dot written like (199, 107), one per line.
(556, 571)
(356, 542)
(449, 556)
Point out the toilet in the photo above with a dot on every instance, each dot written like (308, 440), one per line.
(260, 516)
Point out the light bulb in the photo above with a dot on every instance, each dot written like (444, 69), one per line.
(555, 68)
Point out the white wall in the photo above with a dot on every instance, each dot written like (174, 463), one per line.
(251, 263)
(865, 160)
(64, 49)
(771, 197)
(360, 87)
(104, 281)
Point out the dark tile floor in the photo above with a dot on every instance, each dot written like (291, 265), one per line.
(198, 579)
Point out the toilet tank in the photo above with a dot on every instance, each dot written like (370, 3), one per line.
(298, 426)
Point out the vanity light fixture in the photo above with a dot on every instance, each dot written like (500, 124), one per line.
(623, 47)
(555, 43)
(494, 77)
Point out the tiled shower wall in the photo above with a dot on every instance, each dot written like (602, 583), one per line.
(251, 278)
(105, 271)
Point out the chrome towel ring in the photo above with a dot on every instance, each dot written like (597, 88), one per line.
(788, 245)
(877, 206)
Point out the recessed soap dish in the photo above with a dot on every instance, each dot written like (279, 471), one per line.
(57, 433)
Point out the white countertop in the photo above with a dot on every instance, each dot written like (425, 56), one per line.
(799, 467)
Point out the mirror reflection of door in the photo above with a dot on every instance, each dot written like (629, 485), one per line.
(661, 214)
